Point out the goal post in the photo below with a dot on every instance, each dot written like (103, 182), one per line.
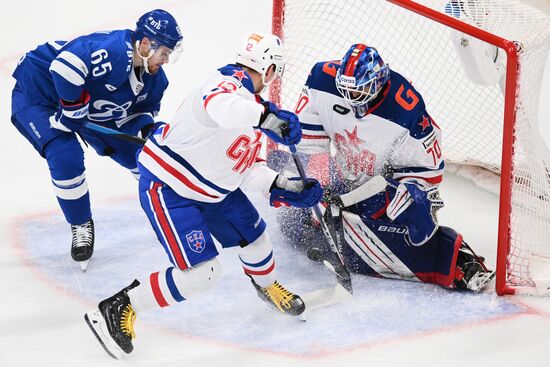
(488, 111)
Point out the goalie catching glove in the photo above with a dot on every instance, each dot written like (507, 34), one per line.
(292, 192)
(283, 127)
(70, 115)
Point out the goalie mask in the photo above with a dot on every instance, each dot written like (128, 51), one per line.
(362, 75)
(163, 32)
(259, 52)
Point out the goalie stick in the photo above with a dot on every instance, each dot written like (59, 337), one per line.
(339, 267)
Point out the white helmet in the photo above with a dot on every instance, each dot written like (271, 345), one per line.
(259, 52)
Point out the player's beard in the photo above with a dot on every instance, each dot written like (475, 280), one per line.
(153, 70)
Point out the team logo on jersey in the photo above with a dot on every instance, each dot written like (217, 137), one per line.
(245, 151)
(239, 74)
(196, 241)
(107, 110)
(340, 109)
(356, 160)
(110, 87)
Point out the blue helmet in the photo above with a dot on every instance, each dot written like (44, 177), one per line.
(160, 27)
(362, 75)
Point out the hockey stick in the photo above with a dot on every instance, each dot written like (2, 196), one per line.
(114, 133)
(368, 189)
(342, 272)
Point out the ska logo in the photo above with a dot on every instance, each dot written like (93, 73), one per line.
(195, 241)
(244, 150)
(340, 109)
(354, 158)
(106, 110)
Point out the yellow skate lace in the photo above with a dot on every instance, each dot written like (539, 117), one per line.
(279, 295)
(127, 320)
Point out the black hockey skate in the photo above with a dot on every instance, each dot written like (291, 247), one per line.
(82, 246)
(113, 323)
(471, 274)
(281, 299)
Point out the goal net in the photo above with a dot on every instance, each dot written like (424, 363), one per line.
(479, 67)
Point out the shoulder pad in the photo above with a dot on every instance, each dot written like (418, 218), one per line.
(116, 48)
(403, 105)
(322, 77)
(238, 73)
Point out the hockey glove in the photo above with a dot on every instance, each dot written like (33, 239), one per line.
(414, 207)
(291, 192)
(70, 115)
(282, 126)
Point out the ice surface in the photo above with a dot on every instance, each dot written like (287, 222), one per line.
(43, 294)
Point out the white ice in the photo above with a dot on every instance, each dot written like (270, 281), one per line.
(43, 294)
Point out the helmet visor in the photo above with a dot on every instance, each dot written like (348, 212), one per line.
(165, 54)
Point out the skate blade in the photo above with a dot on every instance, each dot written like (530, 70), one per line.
(83, 265)
(323, 298)
(481, 281)
(96, 323)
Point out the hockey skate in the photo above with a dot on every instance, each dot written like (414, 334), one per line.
(471, 274)
(113, 323)
(82, 246)
(281, 299)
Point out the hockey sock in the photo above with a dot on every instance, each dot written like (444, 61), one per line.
(168, 287)
(257, 260)
(66, 162)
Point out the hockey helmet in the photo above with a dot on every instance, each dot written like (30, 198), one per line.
(362, 74)
(259, 52)
(162, 30)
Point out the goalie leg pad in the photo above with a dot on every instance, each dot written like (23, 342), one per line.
(380, 247)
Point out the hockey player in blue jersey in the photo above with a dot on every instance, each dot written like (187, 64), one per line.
(191, 200)
(112, 78)
(384, 175)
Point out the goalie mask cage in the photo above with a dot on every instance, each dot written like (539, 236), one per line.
(490, 126)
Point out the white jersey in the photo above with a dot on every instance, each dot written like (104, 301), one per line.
(210, 148)
(396, 138)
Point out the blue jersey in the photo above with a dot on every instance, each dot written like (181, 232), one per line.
(101, 64)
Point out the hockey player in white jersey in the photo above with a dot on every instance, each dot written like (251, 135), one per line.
(192, 170)
(378, 125)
